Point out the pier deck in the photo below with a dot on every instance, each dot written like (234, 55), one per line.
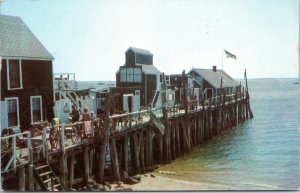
(131, 140)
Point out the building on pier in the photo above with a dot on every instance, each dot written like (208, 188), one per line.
(210, 81)
(137, 82)
(26, 75)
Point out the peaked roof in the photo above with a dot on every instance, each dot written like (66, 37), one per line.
(149, 69)
(214, 78)
(139, 51)
(16, 40)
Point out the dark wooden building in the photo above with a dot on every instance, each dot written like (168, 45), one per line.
(210, 81)
(138, 78)
(26, 76)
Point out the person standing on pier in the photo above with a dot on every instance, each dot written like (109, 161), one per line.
(74, 114)
(86, 115)
(86, 118)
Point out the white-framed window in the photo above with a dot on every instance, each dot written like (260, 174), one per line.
(14, 74)
(13, 111)
(131, 74)
(36, 108)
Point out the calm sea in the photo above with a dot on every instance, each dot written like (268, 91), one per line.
(260, 154)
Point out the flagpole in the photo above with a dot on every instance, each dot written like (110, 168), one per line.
(222, 57)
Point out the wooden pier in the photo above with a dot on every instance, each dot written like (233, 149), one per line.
(120, 145)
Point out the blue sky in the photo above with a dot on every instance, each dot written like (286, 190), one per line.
(90, 37)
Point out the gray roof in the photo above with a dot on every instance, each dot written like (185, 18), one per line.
(214, 78)
(139, 51)
(16, 40)
(149, 69)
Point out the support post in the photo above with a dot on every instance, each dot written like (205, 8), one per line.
(126, 153)
(137, 151)
(105, 139)
(114, 157)
(86, 164)
(71, 171)
(21, 178)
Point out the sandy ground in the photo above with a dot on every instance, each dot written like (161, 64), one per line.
(157, 182)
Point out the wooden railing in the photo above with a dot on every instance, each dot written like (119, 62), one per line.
(12, 147)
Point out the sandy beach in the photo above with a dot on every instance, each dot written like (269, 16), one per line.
(155, 182)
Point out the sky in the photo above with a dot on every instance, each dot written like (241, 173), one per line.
(90, 37)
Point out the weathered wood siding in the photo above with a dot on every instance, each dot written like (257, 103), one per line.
(37, 81)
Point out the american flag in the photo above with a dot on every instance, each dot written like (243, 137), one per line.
(230, 55)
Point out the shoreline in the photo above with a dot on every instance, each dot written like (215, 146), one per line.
(153, 181)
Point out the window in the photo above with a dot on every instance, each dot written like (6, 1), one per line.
(137, 75)
(12, 111)
(14, 74)
(36, 108)
(130, 75)
(123, 74)
(101, 103)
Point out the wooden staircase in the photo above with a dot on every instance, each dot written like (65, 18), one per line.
(46, 178)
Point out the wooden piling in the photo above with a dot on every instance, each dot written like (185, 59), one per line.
(71, 171)
(142, 151)
(126, 152)
(91, 160)
(86, 164)
(105, 138)
(114, 158)
(137, 151)
(177, 138)
(21, 172)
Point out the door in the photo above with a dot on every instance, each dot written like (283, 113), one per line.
(129, 103)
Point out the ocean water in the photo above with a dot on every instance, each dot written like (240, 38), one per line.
(259, 154)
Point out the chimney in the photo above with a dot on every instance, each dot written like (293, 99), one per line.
(215, 68)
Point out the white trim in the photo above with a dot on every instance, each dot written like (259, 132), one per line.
(41, 107)
(18, 112)
(20, 74)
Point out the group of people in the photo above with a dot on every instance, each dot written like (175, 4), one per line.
(86, 118)
(75, 115)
